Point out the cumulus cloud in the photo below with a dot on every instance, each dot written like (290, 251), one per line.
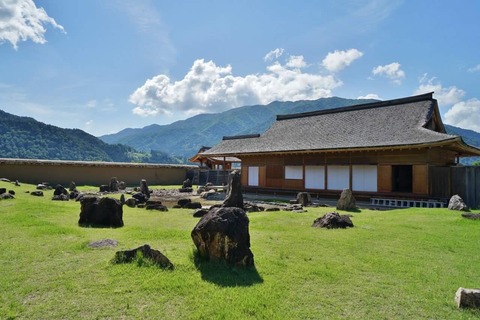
(273, 55)
(474, 69)
(21, 20)
(392, 71)
(465, 114)
(339, 60)
(445, 96)
(370, 96)
(211, 88)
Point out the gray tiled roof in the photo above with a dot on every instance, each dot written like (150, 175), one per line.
(384, 124)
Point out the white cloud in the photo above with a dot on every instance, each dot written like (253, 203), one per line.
(474, 69)
(91, 104)
(370, 96)
(392, 71)
(465, 114)
(211, 88)
(21, 20)
(339, 60)
(273, 55)
(445, 96)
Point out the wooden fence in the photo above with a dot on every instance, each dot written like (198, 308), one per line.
(464, 181)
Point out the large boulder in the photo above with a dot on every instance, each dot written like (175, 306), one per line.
(147, 252)
(222, 235)
(346, 201)
(234, 191)
(456, 203)
(333, 220)
(100, 212)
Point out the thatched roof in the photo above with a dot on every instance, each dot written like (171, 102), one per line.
(407, 122)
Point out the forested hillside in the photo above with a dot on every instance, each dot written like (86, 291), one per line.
(23, 137)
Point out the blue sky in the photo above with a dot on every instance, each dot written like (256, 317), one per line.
(102, 66)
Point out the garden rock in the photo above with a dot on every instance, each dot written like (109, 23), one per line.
(251, 207)
(100, 212)
(147, 252)
(3, 190)
(473, 216)
(122, 185)
(144, 188)
(140, 197)
(456, 203)
(5, 196)
(208, 194)
(183, 202)
(60, 190)
(467, 298)
(74, 194)
(193, 205)
(113, 185)
(346, 201)
(61, 197)
(42, 186)
(104, 243)
(187, 183)
(333, 220)
(12, 192)
(304, 198)
(155, 204)
(132, 202)
(200, 213)
(234, 196)
(37, 193)
(72, 186)
(104, 188)
(222, 235)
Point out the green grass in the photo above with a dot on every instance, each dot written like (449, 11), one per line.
(398, 264)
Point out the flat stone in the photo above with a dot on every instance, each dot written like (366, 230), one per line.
(103, 243)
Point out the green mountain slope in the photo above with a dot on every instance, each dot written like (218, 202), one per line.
(184, 138)
(23, 137)
(469, 136)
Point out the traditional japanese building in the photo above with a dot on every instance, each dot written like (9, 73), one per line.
(396, 148)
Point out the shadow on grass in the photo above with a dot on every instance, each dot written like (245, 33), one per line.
(225, 275)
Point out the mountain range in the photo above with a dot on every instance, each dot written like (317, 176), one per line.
(23, 137)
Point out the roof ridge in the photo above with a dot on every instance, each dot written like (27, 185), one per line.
(386, 103)
(244, 136)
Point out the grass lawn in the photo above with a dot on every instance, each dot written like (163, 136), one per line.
(398, 264)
